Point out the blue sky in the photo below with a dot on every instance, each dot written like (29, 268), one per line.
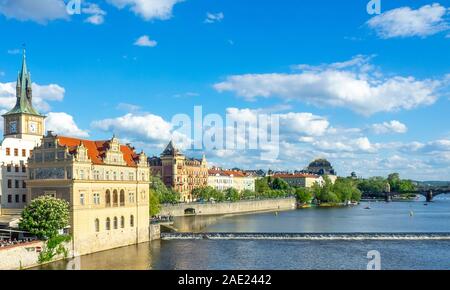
(368, 92)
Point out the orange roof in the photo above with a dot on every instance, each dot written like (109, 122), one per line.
(296, 175)
(227, 173)
(97, 149)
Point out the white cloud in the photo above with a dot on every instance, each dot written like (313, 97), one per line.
(128, 107)
(299, 124)
(148, 9)
(145, 41)
(64, 124)
(97, 15)
(353, 84)
(214, 17)
(42, 94)
(406, 22)
(141, 127)
(393, 126)
(40, 11)
(361, 144)
(14, 51)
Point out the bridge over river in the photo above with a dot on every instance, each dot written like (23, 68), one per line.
(429, 192)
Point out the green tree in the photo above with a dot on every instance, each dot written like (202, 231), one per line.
(406, 186)
(165, 195)
(303, 195)
(232, 194)
(279, 184)
(394, 181)
(45, 216)
(155, 206)
(262, 186)
(343, 188)
(325, 192)
(373, 185)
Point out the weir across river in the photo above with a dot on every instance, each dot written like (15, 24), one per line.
(305, 236)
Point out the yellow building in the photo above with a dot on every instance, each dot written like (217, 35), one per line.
(300, 179)
(178, 172)
(105, 183)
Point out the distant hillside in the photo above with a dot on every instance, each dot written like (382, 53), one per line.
(434, 183)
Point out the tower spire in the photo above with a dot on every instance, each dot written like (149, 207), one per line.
(24, 90)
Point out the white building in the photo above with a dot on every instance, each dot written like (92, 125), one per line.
(224, 179)
(23, 130)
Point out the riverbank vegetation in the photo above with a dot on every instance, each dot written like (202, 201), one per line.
(378, 186)
(344, 190)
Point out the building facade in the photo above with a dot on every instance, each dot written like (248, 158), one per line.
(22, 130)
(224, 179)
(179, 172)
(300, 179)
(106, 184)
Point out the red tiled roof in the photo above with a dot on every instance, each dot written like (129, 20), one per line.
(227, 173)
(97, 149)
(296, 175)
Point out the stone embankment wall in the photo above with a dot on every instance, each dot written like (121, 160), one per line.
(24, 255)
(229, 207)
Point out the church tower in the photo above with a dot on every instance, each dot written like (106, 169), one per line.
(24, 121)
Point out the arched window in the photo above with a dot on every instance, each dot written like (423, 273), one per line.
(97, 225)
(108, 198)
(122, 222)
(122, 198)
(132, 221)
(108, 224)
(115, 223)
(115, 198)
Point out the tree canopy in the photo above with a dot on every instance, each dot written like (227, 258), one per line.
(45, 216)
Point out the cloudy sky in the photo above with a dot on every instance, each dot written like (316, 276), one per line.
(369, 92)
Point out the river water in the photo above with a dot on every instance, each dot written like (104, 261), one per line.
(417, 217)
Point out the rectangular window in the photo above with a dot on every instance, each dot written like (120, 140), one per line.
(9, 198)
(24, 184)
(16, 183)
(96, 198)
(17, 198)
(8, 167)
(24, 153)
(82, 198)
(24, 168)
(8, 151)
(16, 168)
(16, 152)
(9, 183)
(24, 198)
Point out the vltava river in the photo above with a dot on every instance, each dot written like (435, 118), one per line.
(411, 217)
